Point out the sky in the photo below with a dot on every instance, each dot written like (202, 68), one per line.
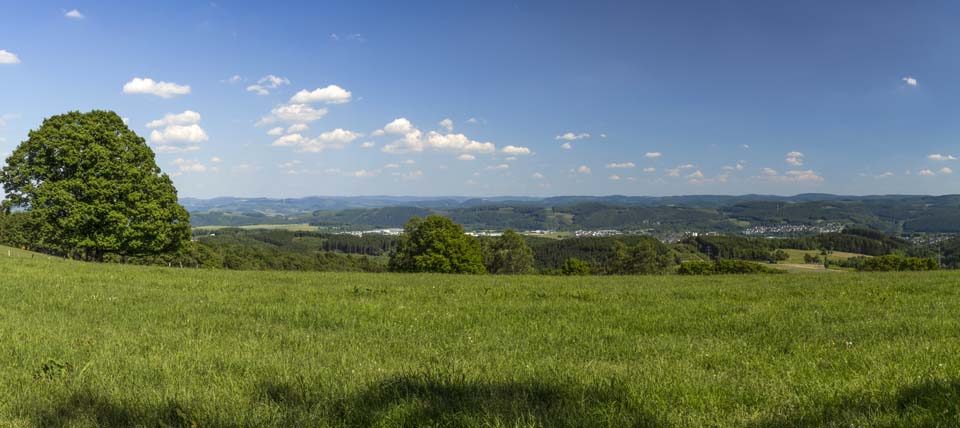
(483, 98)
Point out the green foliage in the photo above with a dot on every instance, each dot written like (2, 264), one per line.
(575, 267)
(812, 259)
(646, 257)
(894, 262)
(725, 267)
(507, 254)
(91, 187)
(436, 244)
(780, 255)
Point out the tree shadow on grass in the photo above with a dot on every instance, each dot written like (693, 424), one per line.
(86, 408)
(435, 400)
(931, 404)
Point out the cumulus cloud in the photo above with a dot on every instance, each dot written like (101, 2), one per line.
(794, 158)
(266, 83)
(516, 150)
(583, 169)
(910, 81)
(653, 155)
(695, 174)
(614, 178)
(332, 94)
(622, 165)
(649, 170)
(368, 145)
(939, 157)
(151, 87)
(363, 173)
(74, 14)
(275, 131)
(769, 171)
(569, 136)
(335, 139)
(188, 117)
(293, 113)
(177, 133)
(447, 124)
(566, 146)
(926, 173)
(466, 157)
(184, 166)
(537, 176)
(233, 79)
(946, 170)
(7, 57)
(498, 167)
(297, 127)
(737, 167)
(414, 140)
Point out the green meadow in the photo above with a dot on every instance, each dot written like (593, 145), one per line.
(96, 345)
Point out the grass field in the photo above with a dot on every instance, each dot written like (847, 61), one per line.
(102, 345)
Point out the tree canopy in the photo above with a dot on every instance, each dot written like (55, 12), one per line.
(507, 254)
(436, 244)
(91, 187)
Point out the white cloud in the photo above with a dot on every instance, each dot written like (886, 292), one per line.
(653, 154)
(674, 172)
(614, 178)
(696, 174)
(569, 136)
(233, 79)
(946, 170)
(769, 174)
(516, 150)
(293, 113)
(649, 170)
(151, 87)
(447, 124)
(412, 175)
(332, 94)
(179, 134)
(884, 175)
(188, 117)
(498, 167)
(583, 169)
(939, 157)
(335, 139)
(266, 83)
(473, 121)
(737, 167)
(537, 176)
(794, 158)
(216, 159)
(466, 157)
(8, 57)
(275, 131)
(74, 14)
(368, 145)
(362, 173)
(622, 165)
(686, 166)
(413, 140)
(925, 173)
(184, 165)
(297, 127)
(603, 135)
(910, 81)
(391, 166)
(566, 146)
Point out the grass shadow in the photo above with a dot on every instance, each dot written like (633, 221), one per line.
(438, 400)
(931, 404)
(86, 408)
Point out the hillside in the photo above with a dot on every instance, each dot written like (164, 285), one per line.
(110, 345)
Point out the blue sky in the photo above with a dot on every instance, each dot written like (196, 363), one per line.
(505, 97)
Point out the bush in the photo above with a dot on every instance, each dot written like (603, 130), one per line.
(725, 267)
(574, 266)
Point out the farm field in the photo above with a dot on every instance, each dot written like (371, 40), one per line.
(88, 345)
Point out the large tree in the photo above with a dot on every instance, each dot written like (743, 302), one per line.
(91, 187)
(436, 244)
(507, 254)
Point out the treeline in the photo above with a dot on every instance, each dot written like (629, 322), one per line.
(851, 240)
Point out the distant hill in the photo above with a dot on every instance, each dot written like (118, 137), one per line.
(705, 213)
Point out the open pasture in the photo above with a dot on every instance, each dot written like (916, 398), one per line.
(89, 345)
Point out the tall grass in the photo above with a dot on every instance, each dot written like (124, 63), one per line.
(86, 345)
